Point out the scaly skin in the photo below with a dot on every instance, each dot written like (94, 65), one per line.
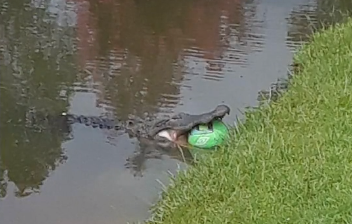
(177, 125)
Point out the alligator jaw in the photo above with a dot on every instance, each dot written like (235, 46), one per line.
(174, 136)
(170, 134)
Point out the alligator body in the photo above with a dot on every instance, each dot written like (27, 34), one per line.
(180, 123)
(149, 128)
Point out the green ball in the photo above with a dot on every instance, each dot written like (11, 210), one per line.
(208, 136)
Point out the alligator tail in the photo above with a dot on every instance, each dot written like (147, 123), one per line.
(93, 121)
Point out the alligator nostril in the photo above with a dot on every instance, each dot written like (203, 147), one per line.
(130, 123)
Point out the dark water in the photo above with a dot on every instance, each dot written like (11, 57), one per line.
(119, 58)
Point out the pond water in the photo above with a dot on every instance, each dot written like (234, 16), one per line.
(119, 58)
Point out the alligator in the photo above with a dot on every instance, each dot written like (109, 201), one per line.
(172, 129)
(155, 136)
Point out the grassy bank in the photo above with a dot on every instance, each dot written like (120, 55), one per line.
(290, 162)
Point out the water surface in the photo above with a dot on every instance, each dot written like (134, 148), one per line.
(119, 58)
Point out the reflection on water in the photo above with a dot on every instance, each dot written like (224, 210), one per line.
(33, 75)
(122, 58)
(137, 53)
(308, 18)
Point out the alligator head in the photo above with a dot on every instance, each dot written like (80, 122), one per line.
(178, 126)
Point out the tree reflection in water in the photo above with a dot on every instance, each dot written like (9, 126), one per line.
(37, 58)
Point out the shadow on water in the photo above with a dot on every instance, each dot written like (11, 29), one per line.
(121, 59)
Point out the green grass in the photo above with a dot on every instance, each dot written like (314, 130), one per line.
(290, 162)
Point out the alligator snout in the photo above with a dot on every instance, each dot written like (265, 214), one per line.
(223, 109)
